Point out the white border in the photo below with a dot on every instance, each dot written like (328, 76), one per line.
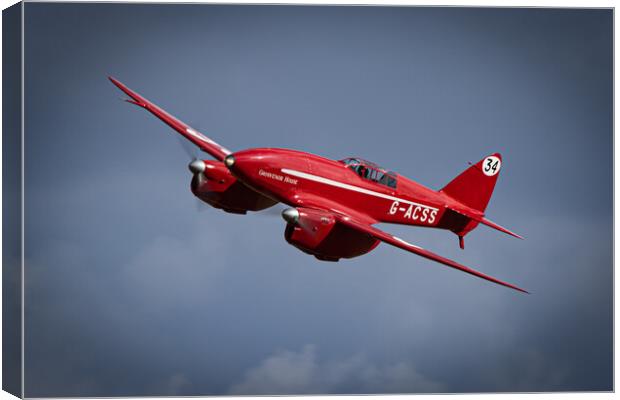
(479, 3)
(23, 216)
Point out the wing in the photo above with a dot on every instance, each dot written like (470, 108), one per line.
(204, 143)
(398, 242)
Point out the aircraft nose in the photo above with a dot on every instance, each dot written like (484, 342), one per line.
(244, 164)
(229, 161)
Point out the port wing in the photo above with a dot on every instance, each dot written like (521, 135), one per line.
(204, 143)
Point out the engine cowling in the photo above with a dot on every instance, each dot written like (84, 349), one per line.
(214, 184)
(318, 233)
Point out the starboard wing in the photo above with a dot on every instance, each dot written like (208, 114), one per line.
(400, 243)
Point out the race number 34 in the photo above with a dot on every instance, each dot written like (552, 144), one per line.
(491, 165)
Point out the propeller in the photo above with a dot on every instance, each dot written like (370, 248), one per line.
(201, 206)
(291, 216)
(188, 148)
(273, 211)
(196, 166)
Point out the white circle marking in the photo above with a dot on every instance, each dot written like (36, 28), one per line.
(491, 165)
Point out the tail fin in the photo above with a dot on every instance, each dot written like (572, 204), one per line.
(474, 186)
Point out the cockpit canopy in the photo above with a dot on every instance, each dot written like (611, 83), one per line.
(371, 171)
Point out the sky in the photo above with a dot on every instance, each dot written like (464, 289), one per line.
(131, 289)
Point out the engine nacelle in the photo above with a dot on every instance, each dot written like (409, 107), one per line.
(318, 233)
(216, 186)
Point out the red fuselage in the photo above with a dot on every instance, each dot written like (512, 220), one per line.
(302, 179)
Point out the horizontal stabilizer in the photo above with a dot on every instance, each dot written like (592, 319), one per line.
(498, 227)
(479, 217)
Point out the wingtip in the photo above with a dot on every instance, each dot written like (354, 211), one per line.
(511, 286)
(135, 97)
(515, 288)
(115, 81)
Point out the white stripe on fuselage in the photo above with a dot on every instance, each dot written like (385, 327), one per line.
(358, 189)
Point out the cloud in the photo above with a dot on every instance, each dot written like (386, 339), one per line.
(168, 262)
(289, 372)
(529, 369)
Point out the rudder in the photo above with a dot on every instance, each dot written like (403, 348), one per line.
(474, 186)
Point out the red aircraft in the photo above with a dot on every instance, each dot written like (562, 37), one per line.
(335, 203)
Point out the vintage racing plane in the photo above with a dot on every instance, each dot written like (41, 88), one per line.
(334, 204)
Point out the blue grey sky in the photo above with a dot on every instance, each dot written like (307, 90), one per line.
(130, 290)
